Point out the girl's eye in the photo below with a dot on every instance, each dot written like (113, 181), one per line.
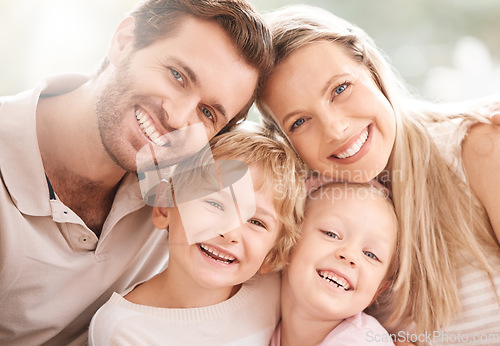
(257, 223)
(207, 113)
(297, 123)
(177, 76)
(331, 234)
(371, 255)
(216, 205)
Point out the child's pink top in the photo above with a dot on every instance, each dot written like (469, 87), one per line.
(360, 329)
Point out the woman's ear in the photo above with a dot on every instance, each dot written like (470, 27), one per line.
(160, 217)
(122, 39)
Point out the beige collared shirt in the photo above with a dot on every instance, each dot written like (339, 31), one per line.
(54, 272)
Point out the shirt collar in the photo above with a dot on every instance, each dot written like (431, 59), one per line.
(20, 161)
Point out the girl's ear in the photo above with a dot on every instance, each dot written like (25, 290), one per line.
(160, 217)
(122, 39)
(383, 286)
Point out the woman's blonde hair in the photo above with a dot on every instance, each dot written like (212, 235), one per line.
(281, 171)
(441, 222)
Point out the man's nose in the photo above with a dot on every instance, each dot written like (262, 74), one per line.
(181, 113)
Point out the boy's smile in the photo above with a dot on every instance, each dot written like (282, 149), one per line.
(217, 254)
(229, 257)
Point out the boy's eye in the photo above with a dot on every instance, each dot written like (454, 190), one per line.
(257, 223)
(215, 204)
(331, 234)
(371, 255)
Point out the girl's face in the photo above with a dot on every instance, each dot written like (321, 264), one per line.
(341, 261)
(332, 111)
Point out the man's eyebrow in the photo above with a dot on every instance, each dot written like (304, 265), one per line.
(190, 73)
(220, 108)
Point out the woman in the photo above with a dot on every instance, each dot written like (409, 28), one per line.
(350, 117)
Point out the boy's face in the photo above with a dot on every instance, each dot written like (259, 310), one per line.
(195, 77)
(234, 256)
(342, 258)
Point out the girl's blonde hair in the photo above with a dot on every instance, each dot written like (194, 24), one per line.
(441, 222)
(281, 171)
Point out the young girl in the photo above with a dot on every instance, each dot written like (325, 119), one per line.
(349, 116)
(346, 257)
(210, 294)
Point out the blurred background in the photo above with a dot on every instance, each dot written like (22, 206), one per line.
(446, 49)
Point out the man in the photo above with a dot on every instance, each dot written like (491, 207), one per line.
(73, 225)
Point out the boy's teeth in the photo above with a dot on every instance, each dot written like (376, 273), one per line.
(355, 147)
(148, 128)
(335, 280)
(213, 253)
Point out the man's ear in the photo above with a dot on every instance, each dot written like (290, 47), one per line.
(122, 40)
(160, 217)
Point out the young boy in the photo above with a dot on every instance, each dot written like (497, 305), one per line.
(220, 237)
(345, 258)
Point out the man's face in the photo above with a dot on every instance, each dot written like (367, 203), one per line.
(170, 94)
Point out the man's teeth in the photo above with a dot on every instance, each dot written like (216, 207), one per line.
(335, 280)
(213, 253)
(355, 147)
(148, 128)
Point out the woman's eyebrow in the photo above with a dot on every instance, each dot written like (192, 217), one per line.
(330, 81)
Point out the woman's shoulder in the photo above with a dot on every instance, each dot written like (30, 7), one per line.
(481, 162)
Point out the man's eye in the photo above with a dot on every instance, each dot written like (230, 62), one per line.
(207, 113)
(177, 75)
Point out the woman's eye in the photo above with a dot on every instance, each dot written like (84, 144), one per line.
(297, 123)
(216, 205)
(371, 255)
(331, 234)
(340, 89)
(257, 223)
(207, 113)
(177, 76)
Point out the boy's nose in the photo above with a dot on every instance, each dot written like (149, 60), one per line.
(232, 237)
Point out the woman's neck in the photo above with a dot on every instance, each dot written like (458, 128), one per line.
(298, 327)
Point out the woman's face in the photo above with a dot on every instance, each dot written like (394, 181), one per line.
(332, 111)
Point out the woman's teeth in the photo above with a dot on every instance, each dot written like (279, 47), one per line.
(355, 147)
(148, 128)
